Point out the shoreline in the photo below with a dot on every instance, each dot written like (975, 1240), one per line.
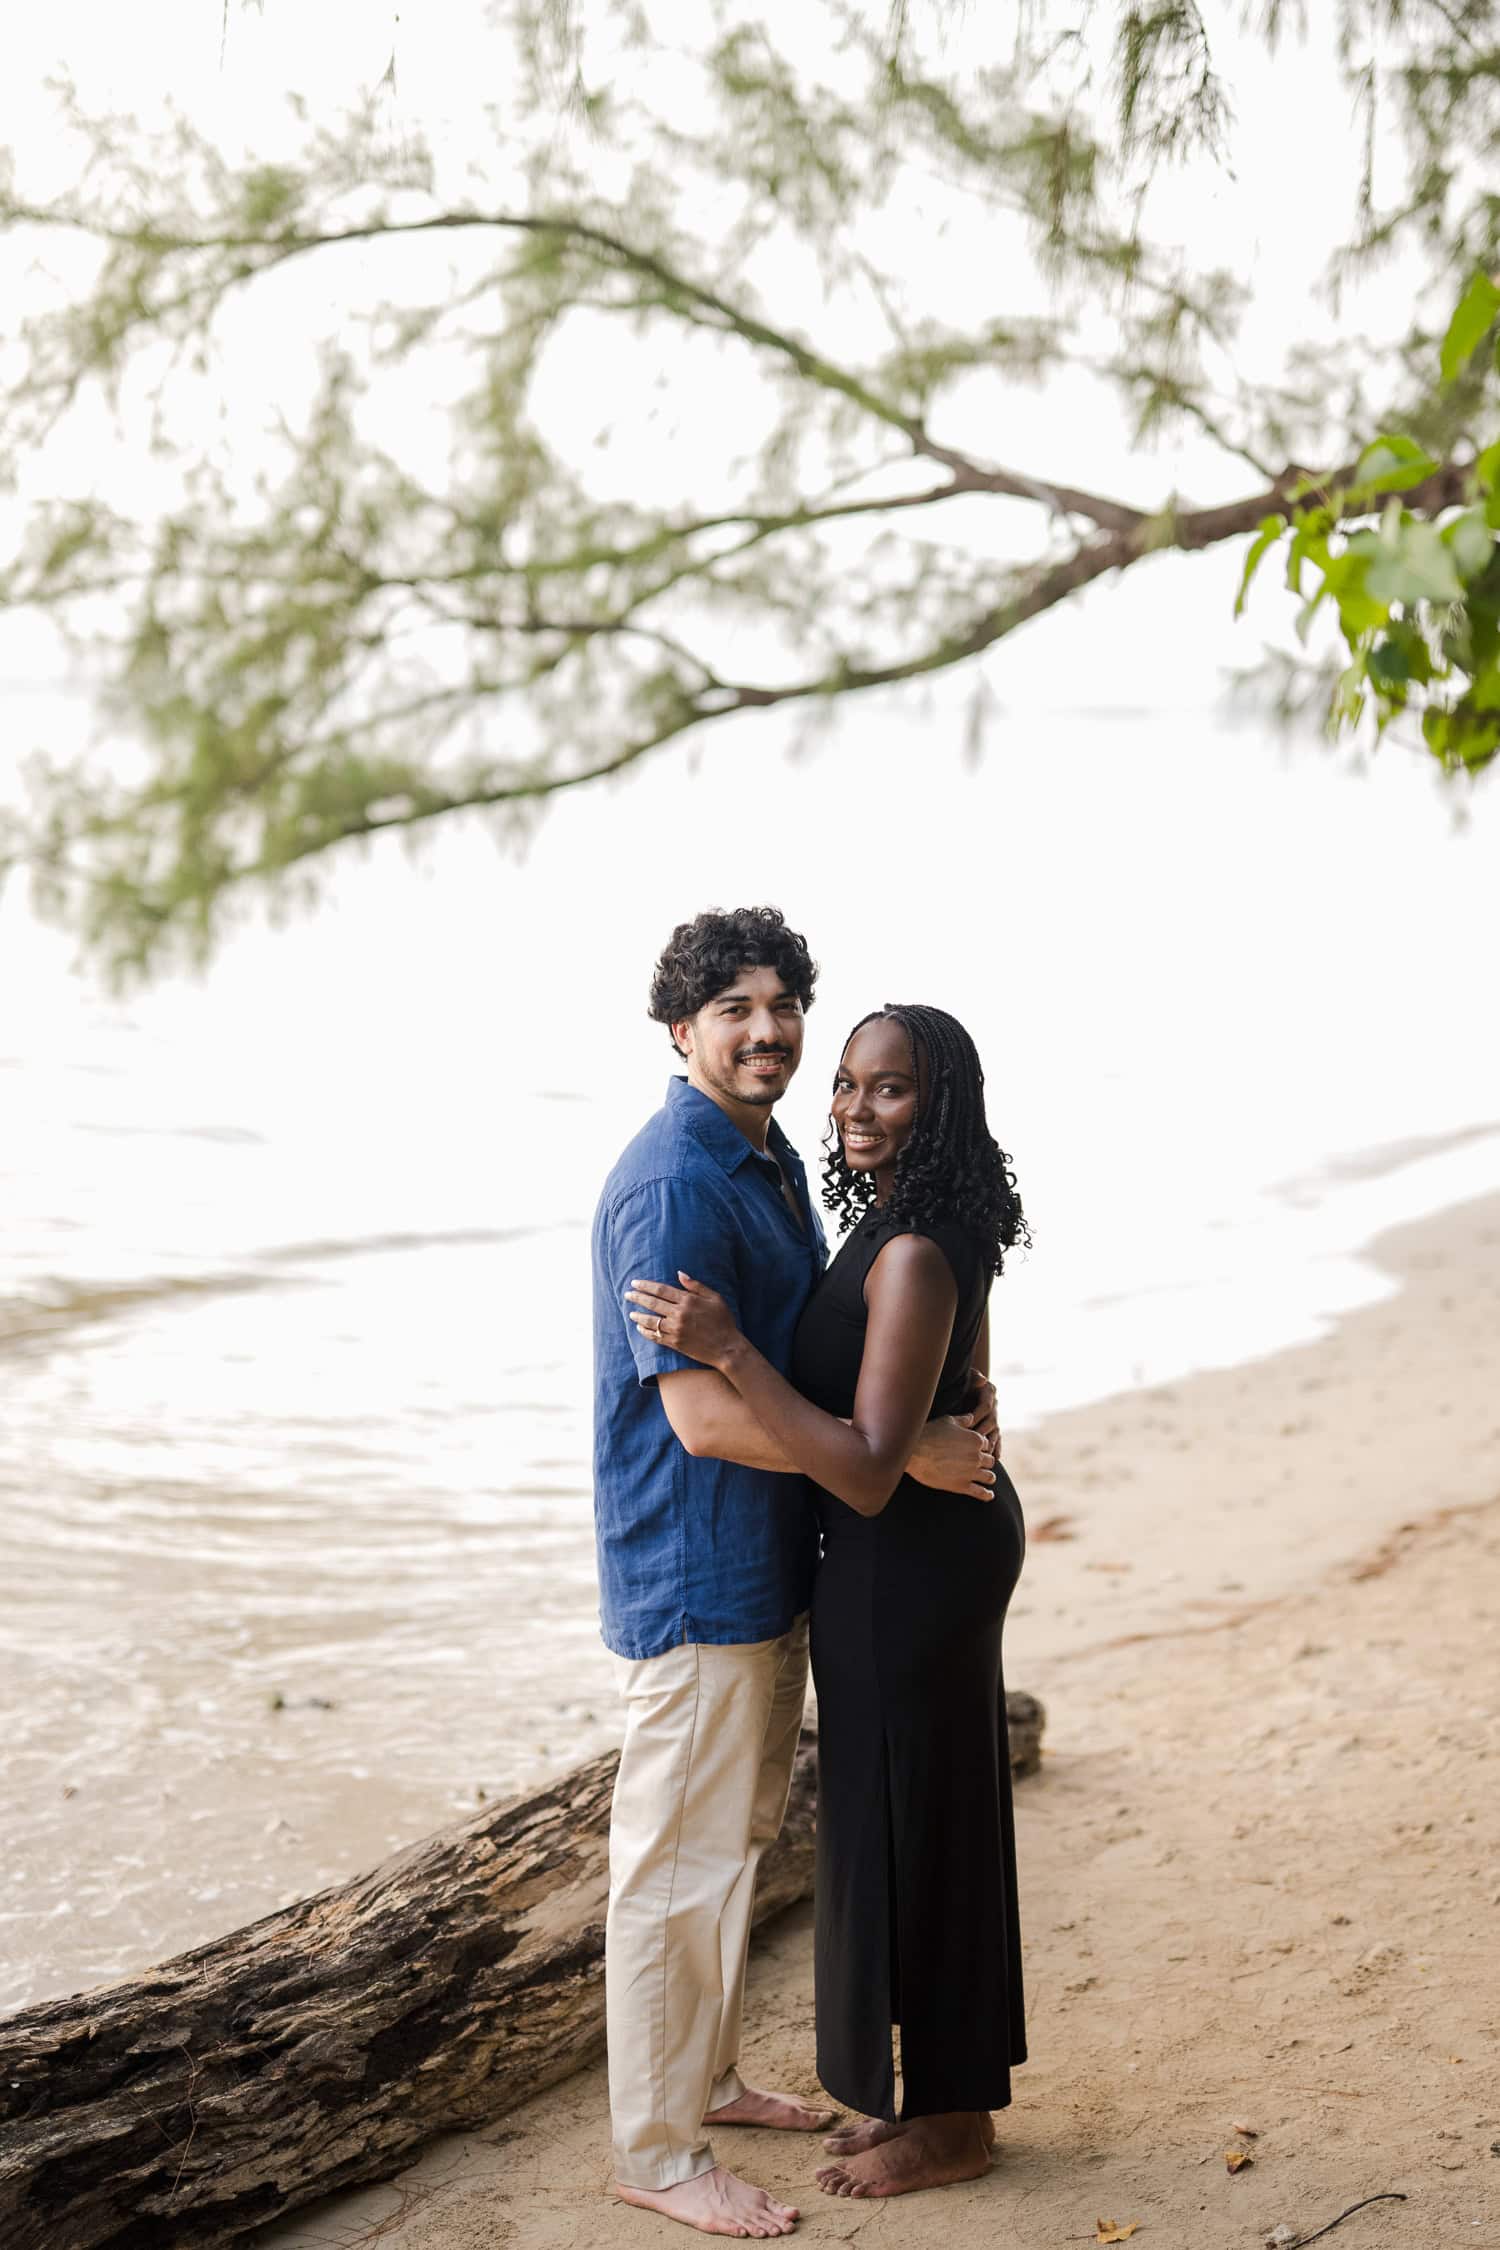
(234, 1731)
(1249, 1606)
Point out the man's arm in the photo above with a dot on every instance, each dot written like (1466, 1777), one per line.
(710, 1418)
(667, 1223)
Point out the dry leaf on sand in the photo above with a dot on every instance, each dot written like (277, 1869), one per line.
(1107, 2231)
(1238, 2158)
(1051, 1527)
(1251, 2132)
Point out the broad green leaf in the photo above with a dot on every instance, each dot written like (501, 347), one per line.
(1461, 737)
(1416, 567)
(1347, 577)
(1392, 463)
(1435, 731)
(1271, 529)
(1419, 660)
(1487, 468)
(1309, 544)
(1471, 541)
(1402, 655)
(1471, 322)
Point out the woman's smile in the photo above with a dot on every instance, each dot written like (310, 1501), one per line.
(876, 1077)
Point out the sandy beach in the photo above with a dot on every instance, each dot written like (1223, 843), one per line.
(1261, 1865)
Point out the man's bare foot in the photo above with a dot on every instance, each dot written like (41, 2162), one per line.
(785, 2113)
(932, 2152)
(853, 2140)
(716, 2202)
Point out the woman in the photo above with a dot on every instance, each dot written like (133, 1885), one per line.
(916, 1888)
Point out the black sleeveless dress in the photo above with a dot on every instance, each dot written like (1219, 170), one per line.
(916, 1911)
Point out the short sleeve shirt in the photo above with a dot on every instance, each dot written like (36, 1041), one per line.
(693, 1549)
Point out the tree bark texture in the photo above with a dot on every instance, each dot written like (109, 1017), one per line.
(321, 2046)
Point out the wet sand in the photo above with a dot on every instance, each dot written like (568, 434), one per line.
(1261, 1865)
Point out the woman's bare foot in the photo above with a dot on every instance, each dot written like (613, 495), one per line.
(716, 2202)
(853, 2140)
(786, 2113)
(931, 2152)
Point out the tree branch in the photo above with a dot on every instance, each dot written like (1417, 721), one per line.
(695, 299)
(1184, 530)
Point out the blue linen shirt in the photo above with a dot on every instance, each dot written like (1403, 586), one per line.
(692, 1549)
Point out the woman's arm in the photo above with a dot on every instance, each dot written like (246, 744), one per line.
(710, 1419)
(910, 1298)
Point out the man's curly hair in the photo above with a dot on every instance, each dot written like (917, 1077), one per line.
(703, 957)
(952, 1167)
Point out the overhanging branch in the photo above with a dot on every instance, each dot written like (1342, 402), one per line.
(691, 299)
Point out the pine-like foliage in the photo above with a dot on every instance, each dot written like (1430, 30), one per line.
(365, 634)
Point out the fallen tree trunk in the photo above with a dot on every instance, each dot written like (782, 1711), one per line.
(319, 2047)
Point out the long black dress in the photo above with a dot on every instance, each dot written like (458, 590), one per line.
(916, 1911)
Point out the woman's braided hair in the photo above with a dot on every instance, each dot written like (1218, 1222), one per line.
(951, 1167)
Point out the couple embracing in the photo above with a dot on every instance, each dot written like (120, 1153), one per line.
(777, 1436)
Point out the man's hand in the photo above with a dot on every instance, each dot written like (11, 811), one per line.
(983, 1415)
(952, 1457)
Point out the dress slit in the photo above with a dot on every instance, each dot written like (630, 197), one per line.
(892, 1895)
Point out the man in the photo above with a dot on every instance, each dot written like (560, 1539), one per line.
(706, 1550)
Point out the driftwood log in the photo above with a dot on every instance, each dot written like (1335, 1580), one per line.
(321, 2046)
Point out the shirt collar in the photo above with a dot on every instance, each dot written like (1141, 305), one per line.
(718, 1134)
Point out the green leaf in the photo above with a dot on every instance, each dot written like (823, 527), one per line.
(1415, 566)
(1309, 544)
(1485, 693)
(1392, 463)
(1347, 575)
(1487, 468)
(1400, 660)
(1471, 541)
(1309, 611)
(1388, 664)
(1460, 738)
(1271, 529)
(1471, 322)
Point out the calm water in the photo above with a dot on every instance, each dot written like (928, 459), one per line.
(294, 1324)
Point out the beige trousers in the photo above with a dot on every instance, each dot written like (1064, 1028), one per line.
(710, 1735)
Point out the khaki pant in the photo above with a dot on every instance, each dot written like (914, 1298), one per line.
(710, 1735)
